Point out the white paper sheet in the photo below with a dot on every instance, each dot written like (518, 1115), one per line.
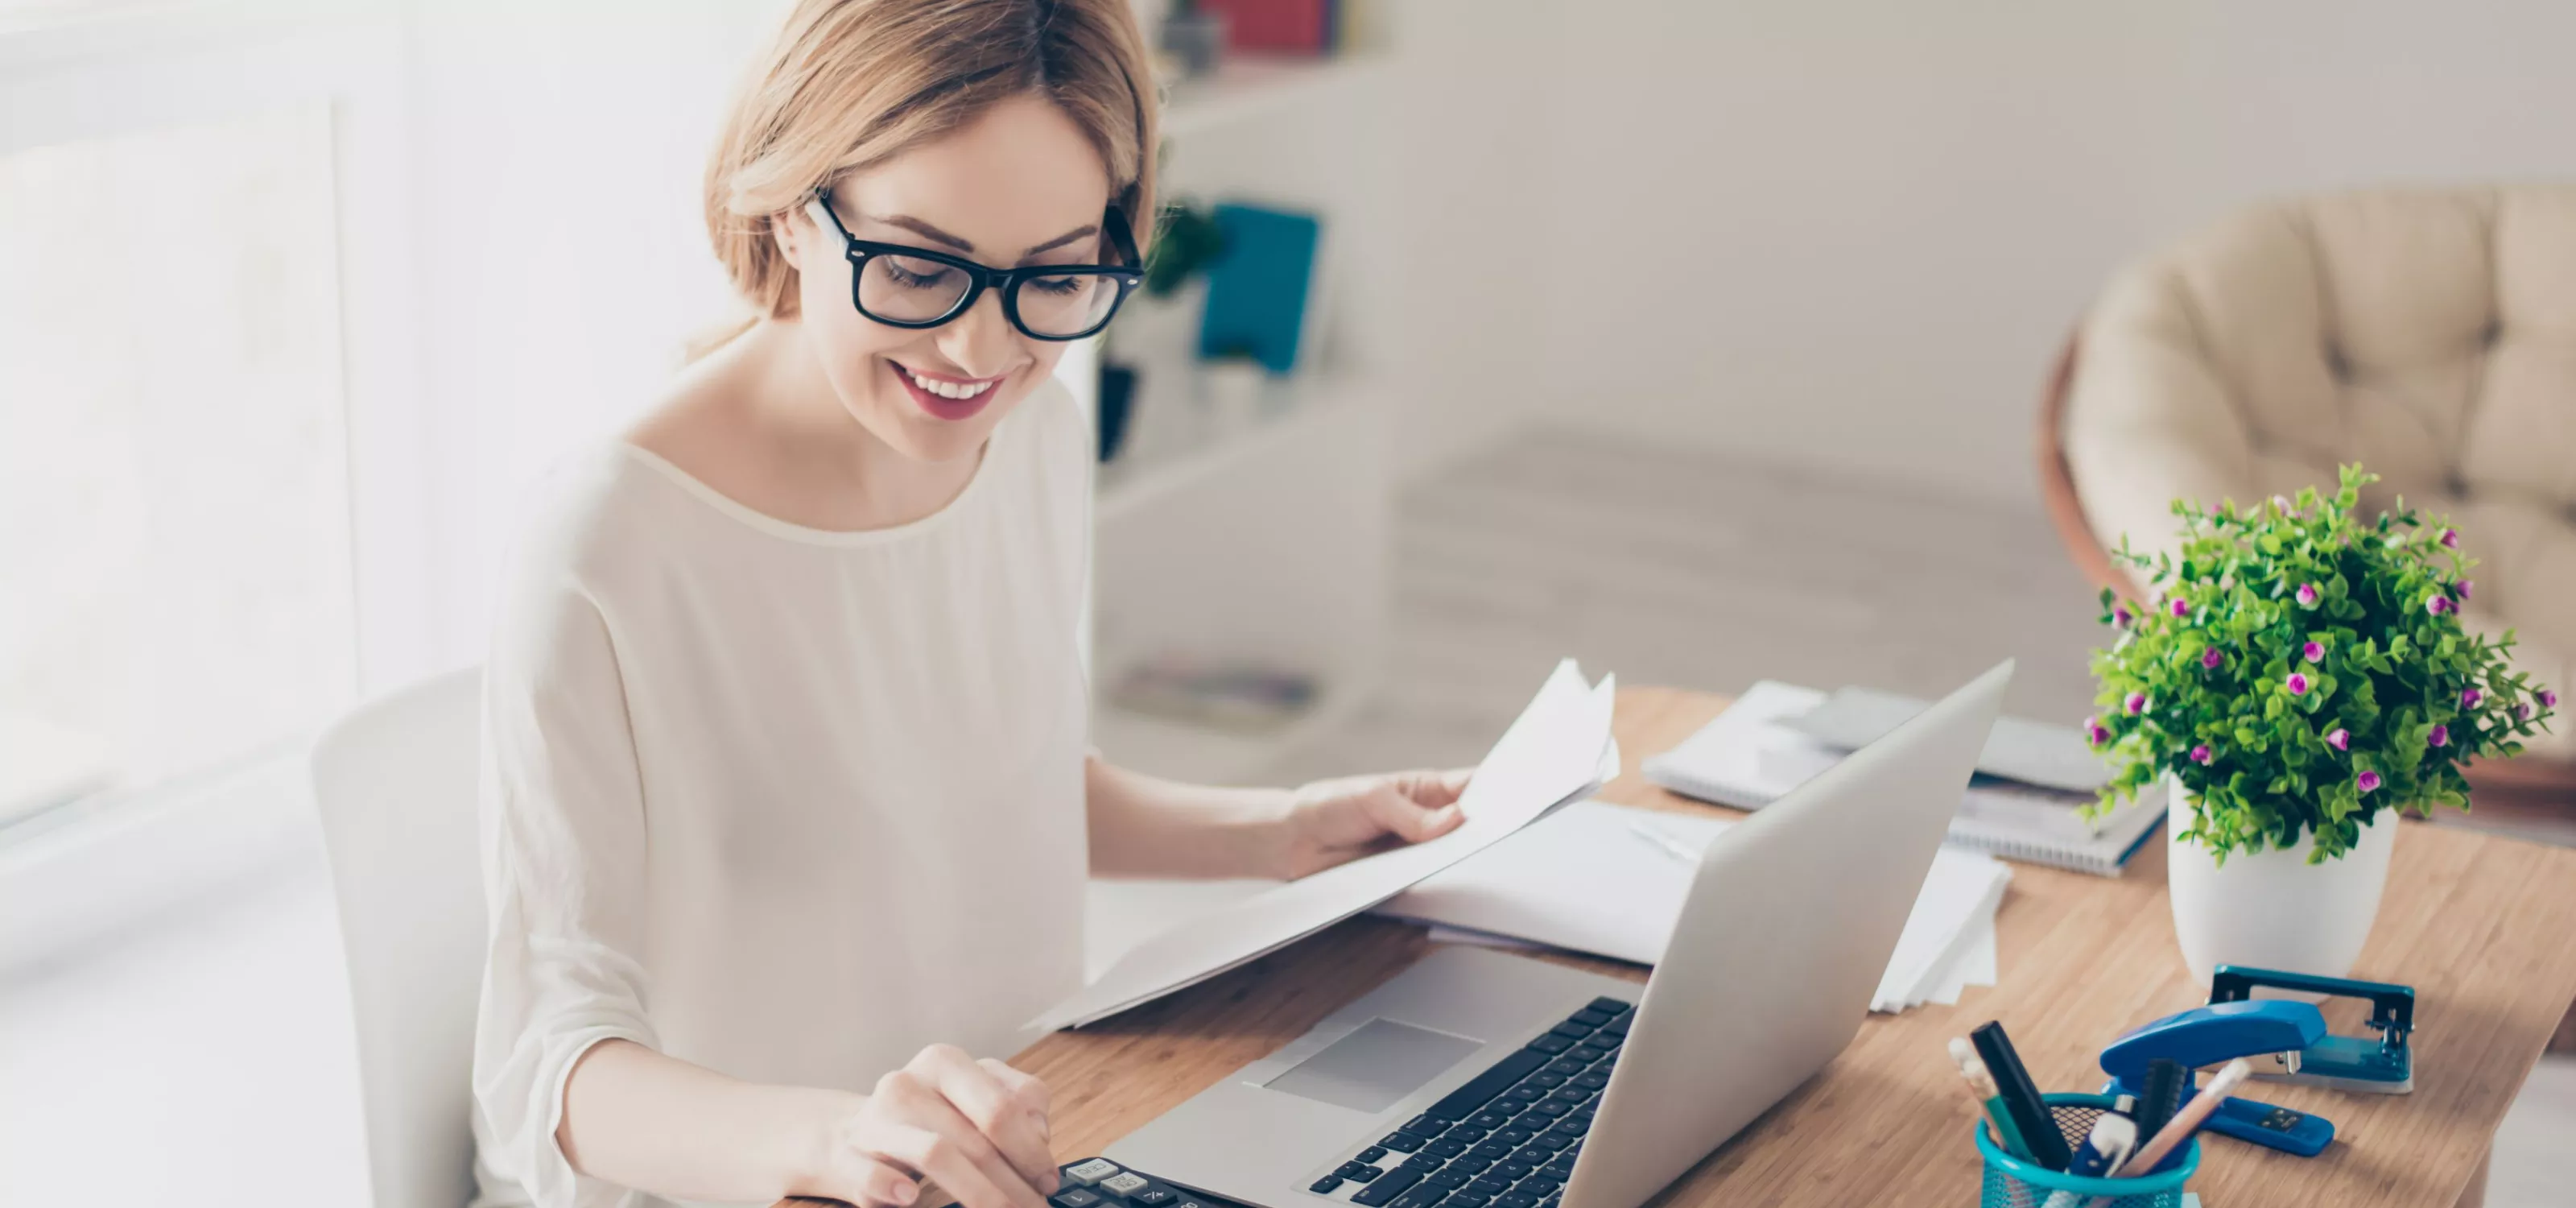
(1959, 894)
(1973, 967)
(1559, 749)
(1582, 879)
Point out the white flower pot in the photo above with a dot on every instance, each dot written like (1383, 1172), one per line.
(2273, 909)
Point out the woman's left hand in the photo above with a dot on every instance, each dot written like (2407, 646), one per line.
(1336, 821)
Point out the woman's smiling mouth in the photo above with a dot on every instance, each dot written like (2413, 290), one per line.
(944, 396)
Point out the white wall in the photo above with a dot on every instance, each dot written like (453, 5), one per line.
(559, 147)
(1469, 119)
(1855, 232)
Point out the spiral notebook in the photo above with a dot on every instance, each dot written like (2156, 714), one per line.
(1750, 755)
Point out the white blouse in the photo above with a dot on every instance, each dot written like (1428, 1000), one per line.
(783, 802)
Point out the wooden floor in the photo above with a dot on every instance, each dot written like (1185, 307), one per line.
(1728, 573)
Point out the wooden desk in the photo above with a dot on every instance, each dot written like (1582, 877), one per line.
(2484, 928)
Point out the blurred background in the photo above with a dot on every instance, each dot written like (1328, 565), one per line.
(1704, 342)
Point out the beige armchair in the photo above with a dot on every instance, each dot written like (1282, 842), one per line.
(2428, 334)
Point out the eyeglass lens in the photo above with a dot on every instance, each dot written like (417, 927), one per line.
(909, 289)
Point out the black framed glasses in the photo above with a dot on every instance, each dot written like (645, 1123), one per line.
(903, 286)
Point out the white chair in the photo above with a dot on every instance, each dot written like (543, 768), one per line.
(395, 782)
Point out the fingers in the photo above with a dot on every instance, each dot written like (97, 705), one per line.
(1033, 1095)
(1392, 809)
(999, 1129)
(883, 1186)
(1007, 1106)
(942, 1155)
(1436, 789)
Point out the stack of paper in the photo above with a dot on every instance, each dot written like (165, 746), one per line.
(1757, 751)
(1557, 751)
(1609, 880)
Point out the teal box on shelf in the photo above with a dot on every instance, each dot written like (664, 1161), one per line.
(1258, 287)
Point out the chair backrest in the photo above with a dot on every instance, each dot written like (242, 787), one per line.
(395, 782)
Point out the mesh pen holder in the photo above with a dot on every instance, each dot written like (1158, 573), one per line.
(2014, 1183)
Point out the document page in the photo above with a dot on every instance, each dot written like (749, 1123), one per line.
(1558, 750)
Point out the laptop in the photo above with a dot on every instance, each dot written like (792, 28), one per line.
(1481, 1079)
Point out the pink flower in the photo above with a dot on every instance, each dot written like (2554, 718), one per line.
(2121, 616)
(2094, 732)
(2463, 588)
(2314, 652)
(2548, 699)
(2522, 712)
(2437, 603)
(2180, 607)
(2440, 737)
(2200, 755)
(2211, 658)
(2469, 698)
(2136, 704)
(2307, 595)
(2297, 683)
(2450, 538)
(2366, 782)
(2340, 739)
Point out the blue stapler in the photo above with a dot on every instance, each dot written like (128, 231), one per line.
(2269, 1034)
(2384, 1065)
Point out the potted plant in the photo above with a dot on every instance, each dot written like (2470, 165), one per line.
(1155, 341)
(2298, 678)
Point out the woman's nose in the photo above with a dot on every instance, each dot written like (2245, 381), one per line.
(981, 341)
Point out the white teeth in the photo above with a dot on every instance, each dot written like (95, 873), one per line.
(956, 390)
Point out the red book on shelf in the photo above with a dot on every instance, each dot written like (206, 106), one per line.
(1276, 26)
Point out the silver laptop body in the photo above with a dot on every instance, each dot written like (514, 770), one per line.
(1783, 937)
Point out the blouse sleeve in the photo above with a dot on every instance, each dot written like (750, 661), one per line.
(563, 873)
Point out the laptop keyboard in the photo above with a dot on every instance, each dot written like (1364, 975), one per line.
(1505, 1139)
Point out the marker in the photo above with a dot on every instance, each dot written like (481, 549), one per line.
(2030, 1112)
(2162, 1094)
(2188, 1120)
(1981, 1084)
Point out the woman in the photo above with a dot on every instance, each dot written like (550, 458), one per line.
(788, 806)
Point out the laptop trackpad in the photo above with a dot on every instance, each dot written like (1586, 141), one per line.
(1379, 1063)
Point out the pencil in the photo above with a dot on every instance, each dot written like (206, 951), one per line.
(1981, 1085)
(2188, 1120)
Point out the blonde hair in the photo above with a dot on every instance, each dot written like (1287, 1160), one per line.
(851, 83)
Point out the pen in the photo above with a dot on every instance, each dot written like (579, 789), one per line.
(1982, 1085)
(2188, 1120)
(1663, 842)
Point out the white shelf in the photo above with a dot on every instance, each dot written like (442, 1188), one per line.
(1177, 750)
(1128, 487)
(1252, 86)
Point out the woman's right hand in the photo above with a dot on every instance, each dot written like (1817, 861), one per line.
(978, 1129)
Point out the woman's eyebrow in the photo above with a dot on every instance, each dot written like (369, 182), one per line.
(1084, 231)
(923, 229)
(927, 231)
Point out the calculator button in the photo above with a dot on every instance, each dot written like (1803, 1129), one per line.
(1153, 1197)
(1123, 1185)
(1087, 1173)
(1073, 1197)
(1325, 1185)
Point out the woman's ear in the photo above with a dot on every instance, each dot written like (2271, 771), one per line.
(783, 232)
